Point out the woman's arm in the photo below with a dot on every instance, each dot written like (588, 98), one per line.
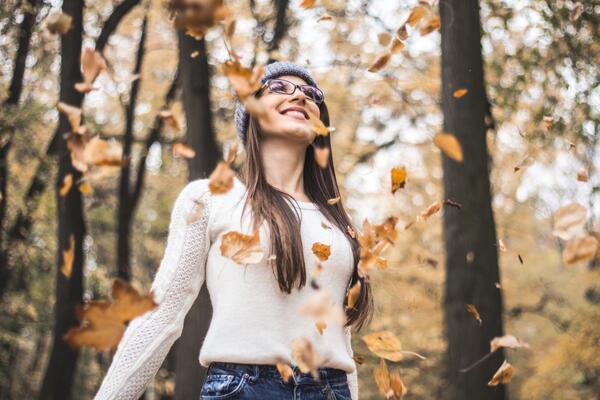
(180, 276)
(352, 377)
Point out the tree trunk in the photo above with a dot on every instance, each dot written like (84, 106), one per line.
(469, 232)
(195, 83)
(60, 371)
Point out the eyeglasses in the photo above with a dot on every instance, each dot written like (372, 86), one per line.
(286, 87)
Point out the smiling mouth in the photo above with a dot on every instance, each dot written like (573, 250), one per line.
(295, 113)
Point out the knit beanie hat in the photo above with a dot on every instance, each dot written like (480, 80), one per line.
(273, 70)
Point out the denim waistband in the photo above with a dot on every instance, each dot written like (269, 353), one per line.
(326, 374)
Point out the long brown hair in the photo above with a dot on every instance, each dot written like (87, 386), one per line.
(270, 205)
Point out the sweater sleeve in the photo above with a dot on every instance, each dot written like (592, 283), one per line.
(352, 377)
(148, 338)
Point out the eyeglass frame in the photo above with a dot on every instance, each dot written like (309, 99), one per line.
(266, 83)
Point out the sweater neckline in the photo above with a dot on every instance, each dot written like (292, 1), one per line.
(305, 205)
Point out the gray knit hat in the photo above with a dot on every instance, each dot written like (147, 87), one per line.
(273, 70)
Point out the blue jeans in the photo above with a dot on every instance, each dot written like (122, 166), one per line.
(263, 382)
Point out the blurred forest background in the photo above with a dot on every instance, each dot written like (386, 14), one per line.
(395, 74)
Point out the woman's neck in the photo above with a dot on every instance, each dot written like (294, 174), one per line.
(284, 166)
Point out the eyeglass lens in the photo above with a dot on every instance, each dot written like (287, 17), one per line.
(281, 86)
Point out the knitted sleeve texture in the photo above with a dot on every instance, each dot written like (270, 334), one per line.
(149, 337)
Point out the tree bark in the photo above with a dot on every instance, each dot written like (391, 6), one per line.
(469, 232)
(60, 371)
(195, 84)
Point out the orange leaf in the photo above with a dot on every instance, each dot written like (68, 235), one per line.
(321, 250)
(380, 62)
(183, 150)
(92, 63)
(473, 311)
(221, 179)
(321, 156)
(503, 375)
(398, 175)
(66, 186)
(68, 257)
(448, 143)
(58, 23)
(458, 93)
(241, 248)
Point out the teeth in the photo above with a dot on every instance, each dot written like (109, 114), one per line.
(296, 114)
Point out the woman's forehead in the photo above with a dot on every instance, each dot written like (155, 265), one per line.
(293, 78)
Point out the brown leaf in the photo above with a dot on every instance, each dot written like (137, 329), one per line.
(101, 153)
(396, 45)
(170, 119)
(576, 12)
(92, 63)
(433, 24)
(230, 29)
(380, 62)
(398, 175)
(241, 248)
(525, 162)
(318, 126)
(473, 311)
(503, 375)
(458, 93)
(305, 356)
(58, 23)
(73, 115)
(245, 81)
(68, 257)
(183, 150)
(66, 185)
(285, 371)
(569, 221)
(321, 250)
(582, 175)
(384, 344)
(401, 32)
(429, 211)
(384, 38)
(325, 17)
(416, 14)
(580, 249)
(508, 341)
(447, 143)
(389, 384)
(321, 156)
(334, 200)
(221, 179)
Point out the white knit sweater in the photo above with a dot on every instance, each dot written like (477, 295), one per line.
(253, 321)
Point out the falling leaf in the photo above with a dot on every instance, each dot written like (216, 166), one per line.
(525, 162)
(66, 185)
(433, 24)
(325, 226)
(389, 384)
(458, 93)
(398, 175)
(429, 211)
(85, 188)
(358, 358)
(169, 118)
(183, 150)
(317, 125)
(384, 38)
(582, 175)
(320, 306)
(92, 63)
(196, 18)
(396, 45)
(101, 153)
(415, 15)
(401, 32)
(334, 200)
(306, 4)
(321, 156)
(503, 375)
(305, 356)
(195, 54)
(285, 371)
(68, 257)
(384, 344)
(245, 81)
(473, 311)
(448, 143)
(380, 62)
(580, 249)
(508, 341)
(58, 23)
(241, 248)
(73, 115)
(353, 295)
(497, 284)
(320, 325)
(569, 221)
(520, 259)
(321, 250)
(103, 322)
(501, 246)
(221, 179)
(325, 17)
(576, 12)
(232, 152)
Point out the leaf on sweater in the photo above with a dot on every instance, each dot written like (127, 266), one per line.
(103, 321)
(241, 248)
(503, 375)
(92, 63)
(221, 179)
(305, 356)
(320, 325)
(389, 384)
(321, 250)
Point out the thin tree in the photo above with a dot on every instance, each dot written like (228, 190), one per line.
(469, 232)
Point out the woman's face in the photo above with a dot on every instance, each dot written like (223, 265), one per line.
(282, 121)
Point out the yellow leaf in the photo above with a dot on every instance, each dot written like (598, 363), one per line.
(398, 175)
(384, 344)
(68, 257)
(503, 375)
(447, 143)
(321, 250)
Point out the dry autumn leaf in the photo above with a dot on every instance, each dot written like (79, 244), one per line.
(66, 185)
(68, 257)
(183, 150)
(508, 341)
(389, 384)
(221, 179)
(285, 371)
(473, 311)
(458, 93)
(321, 156)
(92, 63)
(384, 38)
(245, 81)
(432, 209)
(398, 175)
(449, 145)
(73, 115)
(582, 175)
(384, 344)
(396, 45)
(580, 249)
(380, 63)
(569, 221)
(103, 322)
(503, 375)
(306, 4)
(353, 295)
(321, 250)
(241, 248)
(432, 24)
(320, 307)
(305, 356)
(58, 23)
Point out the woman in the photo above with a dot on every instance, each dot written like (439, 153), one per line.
(283, 193)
